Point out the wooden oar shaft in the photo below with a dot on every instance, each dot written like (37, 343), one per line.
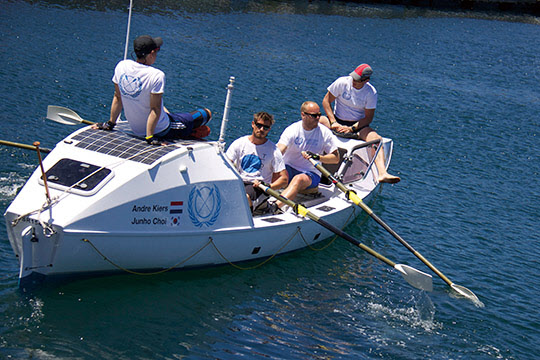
(356, 199)
(23, 146)
(303, 211)
(402, 241)
(36, 144)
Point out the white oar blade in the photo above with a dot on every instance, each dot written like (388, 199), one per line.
(416, 278)
(463, 291)
(63, 115)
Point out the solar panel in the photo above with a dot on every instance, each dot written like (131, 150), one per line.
(120, 144)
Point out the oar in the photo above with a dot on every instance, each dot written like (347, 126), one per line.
(65, 116)
(43, 174)
(416, 278)
(351, 195)
(24, 146)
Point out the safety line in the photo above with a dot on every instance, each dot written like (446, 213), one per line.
(143, 273)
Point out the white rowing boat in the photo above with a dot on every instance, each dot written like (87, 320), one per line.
(117, 204)
(105, 201)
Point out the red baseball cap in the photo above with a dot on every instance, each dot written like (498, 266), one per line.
(361, 72)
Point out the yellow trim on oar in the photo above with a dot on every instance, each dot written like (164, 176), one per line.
(302, 210)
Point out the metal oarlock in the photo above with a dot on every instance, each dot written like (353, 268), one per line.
(225, 119)
(47, 194)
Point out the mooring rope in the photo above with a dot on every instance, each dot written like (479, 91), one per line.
(211, 241)
(143, 273)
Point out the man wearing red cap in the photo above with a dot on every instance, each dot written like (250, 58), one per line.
(355, 102)
(139, 91)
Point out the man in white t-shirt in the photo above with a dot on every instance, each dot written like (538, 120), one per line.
(297, 141)
(139, 89)
(258, 159)
(355, 102)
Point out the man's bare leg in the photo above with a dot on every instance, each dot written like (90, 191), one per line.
(384, 176)
(297, 184)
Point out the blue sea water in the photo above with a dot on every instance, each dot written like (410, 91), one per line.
(458, 92)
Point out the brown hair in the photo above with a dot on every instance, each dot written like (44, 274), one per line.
(263, 116)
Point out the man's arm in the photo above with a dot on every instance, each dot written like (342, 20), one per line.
(116, 106)
(327, 106)
(368, 118)
(155, 113)
(282, 148)
(329, 98)
(332, 158)
(116, 109)
(279, 179)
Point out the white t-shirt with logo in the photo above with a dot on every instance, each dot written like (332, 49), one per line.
(350, 102)
(319, 141)
(136, 82)
(255, 162)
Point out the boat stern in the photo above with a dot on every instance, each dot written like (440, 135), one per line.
(34, 244)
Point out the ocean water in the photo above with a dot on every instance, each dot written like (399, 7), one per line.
(459, 93)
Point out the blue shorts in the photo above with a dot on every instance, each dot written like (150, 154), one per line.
(181, 125)
(315, 179)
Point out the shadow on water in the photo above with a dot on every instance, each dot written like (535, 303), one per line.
(514, 12)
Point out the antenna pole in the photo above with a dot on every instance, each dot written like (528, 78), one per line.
(225, 119)
(128, 28)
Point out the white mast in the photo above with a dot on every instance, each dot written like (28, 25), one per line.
(225, 119)
(128, 27)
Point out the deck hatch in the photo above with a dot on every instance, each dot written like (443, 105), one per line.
(272, 220)
(325, 208)
(68, 172)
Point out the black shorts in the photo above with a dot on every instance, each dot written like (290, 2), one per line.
(349, 123)
(252, 191)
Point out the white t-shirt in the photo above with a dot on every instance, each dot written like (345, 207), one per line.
(350, 102)
(255, 162)
(319, 141)
(136, 82)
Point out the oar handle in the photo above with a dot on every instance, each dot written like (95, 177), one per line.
(23, 146)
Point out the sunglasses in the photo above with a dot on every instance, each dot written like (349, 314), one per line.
(316, 115)
(262, 126)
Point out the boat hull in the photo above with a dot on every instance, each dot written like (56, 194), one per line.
(171, 213)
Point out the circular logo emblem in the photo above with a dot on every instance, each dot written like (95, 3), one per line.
(204, 205)
(130, 86)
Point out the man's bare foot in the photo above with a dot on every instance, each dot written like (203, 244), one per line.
(389, 179)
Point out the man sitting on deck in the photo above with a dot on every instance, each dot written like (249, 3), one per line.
(258, 159)
(139, 89)
(297, 141)
(355, 101)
